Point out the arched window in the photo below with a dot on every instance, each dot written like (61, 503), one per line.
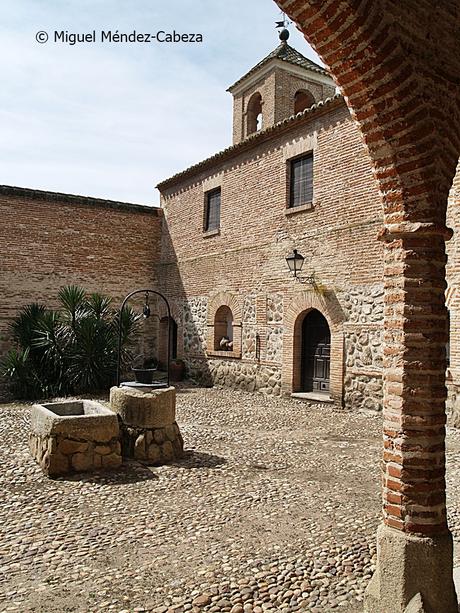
(302, 100)
(223, 329)
(254, 114)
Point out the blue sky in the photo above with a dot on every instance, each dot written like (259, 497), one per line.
(112, 120)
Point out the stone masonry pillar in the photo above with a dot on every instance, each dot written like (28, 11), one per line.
(414, 548)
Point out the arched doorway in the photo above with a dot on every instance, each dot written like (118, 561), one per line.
(163, 348)
(316, 353)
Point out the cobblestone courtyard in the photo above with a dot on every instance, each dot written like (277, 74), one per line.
(274, 507)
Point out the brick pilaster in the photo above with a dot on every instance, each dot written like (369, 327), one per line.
(414, 387)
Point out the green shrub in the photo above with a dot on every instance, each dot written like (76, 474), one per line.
(70, 350)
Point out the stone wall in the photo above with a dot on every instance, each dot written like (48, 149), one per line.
(362, 380)
(453, 298)
(59, 454)
(236, 374)
(74, 436)
(153, 445)
(363, 332)
(195, 325)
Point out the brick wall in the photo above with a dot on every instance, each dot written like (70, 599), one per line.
(54, 240)
(287, 86)
(246, 260)
(266, 86)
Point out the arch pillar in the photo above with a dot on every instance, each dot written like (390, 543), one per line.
(397, 64)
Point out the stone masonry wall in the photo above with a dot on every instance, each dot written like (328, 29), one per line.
(362, 345)
(58, 454)
(363, 330)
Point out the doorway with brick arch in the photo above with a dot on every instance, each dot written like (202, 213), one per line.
(163, 344)
(316, 353)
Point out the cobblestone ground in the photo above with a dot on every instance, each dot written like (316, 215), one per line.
(274, 508)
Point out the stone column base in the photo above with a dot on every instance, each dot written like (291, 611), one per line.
(152, 445)
(414, 574)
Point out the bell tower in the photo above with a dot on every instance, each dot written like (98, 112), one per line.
(282, 84)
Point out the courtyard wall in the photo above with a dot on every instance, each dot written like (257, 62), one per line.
(57, 239)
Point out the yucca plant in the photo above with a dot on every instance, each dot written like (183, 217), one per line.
(69, 350)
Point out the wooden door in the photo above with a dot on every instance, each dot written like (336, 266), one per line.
(316, 353)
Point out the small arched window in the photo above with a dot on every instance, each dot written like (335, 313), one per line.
(303, 100)
(254, 114)
(223, 329)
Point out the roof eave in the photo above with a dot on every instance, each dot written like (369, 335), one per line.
(251, 141)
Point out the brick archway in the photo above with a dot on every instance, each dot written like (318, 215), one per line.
(176, 315)
(299, 307)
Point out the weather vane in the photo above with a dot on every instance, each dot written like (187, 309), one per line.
(284, 23)
(284, 33)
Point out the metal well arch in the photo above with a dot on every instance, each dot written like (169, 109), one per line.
(123, 304)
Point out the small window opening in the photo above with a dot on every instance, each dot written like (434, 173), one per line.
(303, 100)
(223, 329)
(254, 114)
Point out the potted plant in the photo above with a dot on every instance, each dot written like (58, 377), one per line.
(144, 369)
(176, 369)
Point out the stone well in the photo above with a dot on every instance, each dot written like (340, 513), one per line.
(148, 424)
(74, 436)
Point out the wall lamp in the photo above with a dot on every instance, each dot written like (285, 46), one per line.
(295, 261)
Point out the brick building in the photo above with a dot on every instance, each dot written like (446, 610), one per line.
(304, 181)
(296, 177)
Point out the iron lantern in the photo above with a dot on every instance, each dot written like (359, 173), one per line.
(295, 262)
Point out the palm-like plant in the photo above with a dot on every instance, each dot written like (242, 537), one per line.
(71, 350)
(73, 301)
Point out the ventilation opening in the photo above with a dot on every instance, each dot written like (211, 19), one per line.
(254, 114)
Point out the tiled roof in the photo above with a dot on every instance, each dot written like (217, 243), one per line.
(38, 194)
(286, 53)
(247, 143)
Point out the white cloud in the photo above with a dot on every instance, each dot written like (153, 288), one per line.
(113, 120)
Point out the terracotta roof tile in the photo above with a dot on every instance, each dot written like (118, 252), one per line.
(286, 53)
